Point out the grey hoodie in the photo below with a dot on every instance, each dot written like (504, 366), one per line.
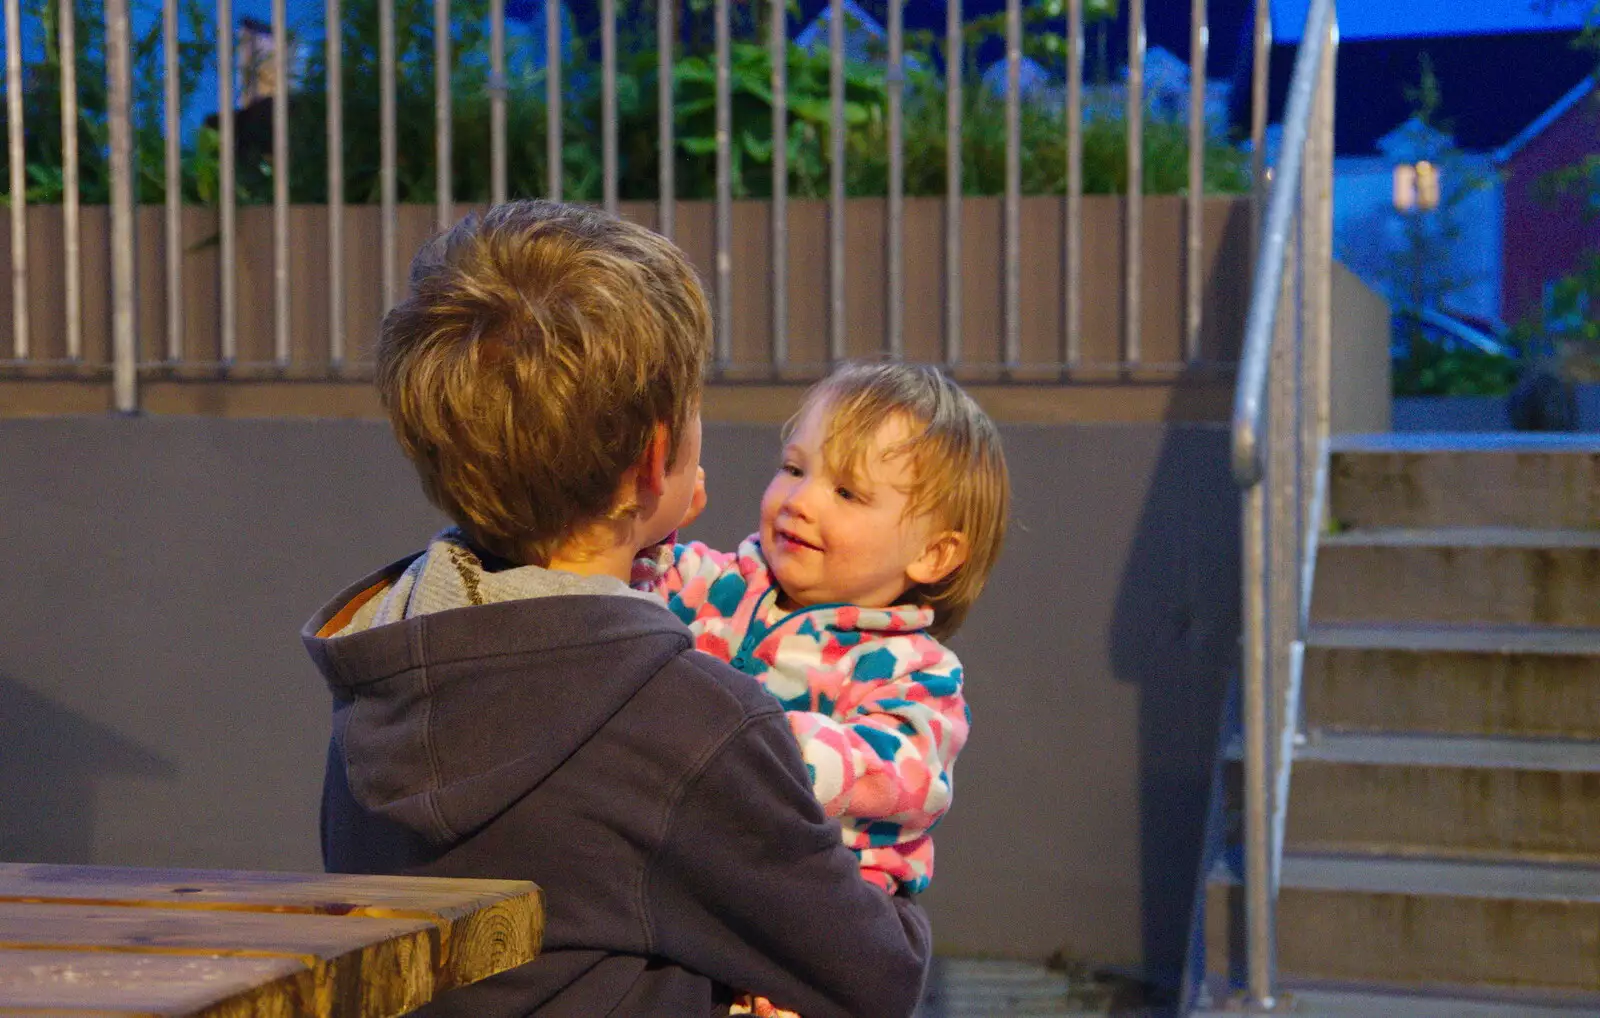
(654, 793)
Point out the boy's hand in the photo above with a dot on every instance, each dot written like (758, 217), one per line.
(697, 503)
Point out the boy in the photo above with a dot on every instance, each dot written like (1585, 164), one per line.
(504, 705)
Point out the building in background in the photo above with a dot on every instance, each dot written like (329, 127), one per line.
(1500, 65)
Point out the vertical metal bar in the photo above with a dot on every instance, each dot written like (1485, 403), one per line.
(1317, 268)
(1194, 236)
(667, 186)
(552, 99)
(334, 48)
(171, 119)
(894, 340)
(1259, 904)
(1011, 284)
(70, 198)
(1259, 92)
(608, 104)
(497, 102)
(724, 209)
(280, 183)
(1133, 272)
(778, 47)
(443, 150)
(836, 334)
(1073, 269)
(1285, 523)
(119, 112)
(227, 198)
(386, 144)
(19, 180)
(954, 68)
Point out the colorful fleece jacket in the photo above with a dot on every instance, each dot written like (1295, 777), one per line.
(874, 701)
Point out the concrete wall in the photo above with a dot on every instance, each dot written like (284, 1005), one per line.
(156, 707)
(1360, 369)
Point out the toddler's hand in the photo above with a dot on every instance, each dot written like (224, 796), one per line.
(760, 1007)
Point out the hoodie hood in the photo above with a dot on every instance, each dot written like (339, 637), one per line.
(415, 652)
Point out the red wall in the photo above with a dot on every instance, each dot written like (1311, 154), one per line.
(1542, 241)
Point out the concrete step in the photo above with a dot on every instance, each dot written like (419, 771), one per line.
(1475, 927)
(1444, 680)
(1373, 1002)
(1459, 576)
(1512, 480)
(1463, 797)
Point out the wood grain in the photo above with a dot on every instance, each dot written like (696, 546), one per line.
(79, 940)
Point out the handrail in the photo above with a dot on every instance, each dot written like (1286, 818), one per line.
(1250, 389)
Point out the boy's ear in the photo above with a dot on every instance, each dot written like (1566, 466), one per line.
(653, 465)
(944, 554)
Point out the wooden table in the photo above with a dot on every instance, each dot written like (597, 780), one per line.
(93, 940)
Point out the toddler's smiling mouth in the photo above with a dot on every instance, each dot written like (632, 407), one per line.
(790, 540)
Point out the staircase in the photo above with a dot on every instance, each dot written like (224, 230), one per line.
(1442, 851)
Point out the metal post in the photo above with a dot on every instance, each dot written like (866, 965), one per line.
(724, 185)
(227, 196)
(387, 186)
(1011, 323)
(608, 104)
(1133, 272)
(497, 101)
(173, 165)
(1260, 81)
(1073, 269)
(70, 198)
(119, 110)
(894, 318)
(552, 99)
(1259, 903)
(280, 184)
(1194, 232)
(954, 68)
(1317, 313)
(443, 150)
(667, 187)
(335, 58)
(19, 181)
(778, 47)
(836, 149)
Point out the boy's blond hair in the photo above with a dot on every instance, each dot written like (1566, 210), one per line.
(955, 457)
(530, 364)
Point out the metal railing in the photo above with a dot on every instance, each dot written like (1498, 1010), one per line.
(1280, 436)
(191, 336)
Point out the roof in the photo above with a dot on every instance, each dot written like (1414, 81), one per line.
(1579, 92)
(1431, 18)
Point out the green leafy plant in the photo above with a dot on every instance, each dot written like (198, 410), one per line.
(1043, 129)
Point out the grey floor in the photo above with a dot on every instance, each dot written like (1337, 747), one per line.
(959, 988)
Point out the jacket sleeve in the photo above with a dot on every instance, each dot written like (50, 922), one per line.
(752, 886)
(886, 749)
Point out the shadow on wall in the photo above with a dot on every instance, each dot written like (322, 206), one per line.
(1174, 636)
(52, 761)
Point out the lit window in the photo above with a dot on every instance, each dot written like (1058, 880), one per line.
(1416, 186)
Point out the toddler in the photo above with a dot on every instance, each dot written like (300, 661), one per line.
(877, 533)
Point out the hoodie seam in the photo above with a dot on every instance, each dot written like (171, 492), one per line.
(435, 772)
(675, 800)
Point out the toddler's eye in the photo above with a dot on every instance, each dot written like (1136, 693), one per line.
(791, 469)
(846, 494)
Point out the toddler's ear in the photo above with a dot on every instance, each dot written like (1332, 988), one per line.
(944, 554)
